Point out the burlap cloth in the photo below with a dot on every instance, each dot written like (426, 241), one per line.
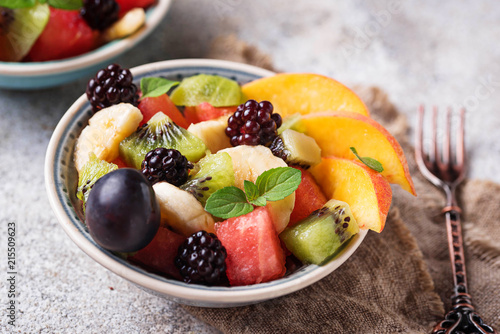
(398, 281)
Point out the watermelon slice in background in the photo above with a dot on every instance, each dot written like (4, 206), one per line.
(65, 35)
(126, 5)
(308, 198)
(254, 253)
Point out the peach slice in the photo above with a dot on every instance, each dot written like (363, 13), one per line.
(336, 132)
(304, 93)
(367, 192)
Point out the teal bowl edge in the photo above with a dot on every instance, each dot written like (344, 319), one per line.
(50, 80)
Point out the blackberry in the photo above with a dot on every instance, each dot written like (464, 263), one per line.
(111, 85)
(100, 14)
(163, 164)
(6, 18)
(253, 123)
(202, 259)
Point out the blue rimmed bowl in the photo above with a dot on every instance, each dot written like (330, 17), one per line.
(61, 181)
(35, 75)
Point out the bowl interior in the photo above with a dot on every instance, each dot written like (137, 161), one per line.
(61, 182)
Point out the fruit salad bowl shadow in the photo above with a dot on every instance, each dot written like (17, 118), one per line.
(36, 75)
(61, 181)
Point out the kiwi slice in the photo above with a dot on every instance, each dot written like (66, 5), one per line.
(19, 29)
(296, 148)
(317, 238)
(93, 169)
(213, 172)
(293, 122)
(160, 131)
(214, 89)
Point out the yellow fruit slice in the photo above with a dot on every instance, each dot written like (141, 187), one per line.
(106, 129)
(181, 210)
(336, 132)
(304, 93)
(212, 132)
(131, 22)
(368, 194)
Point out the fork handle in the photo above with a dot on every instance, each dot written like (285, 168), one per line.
(456, 248)
(462, 318)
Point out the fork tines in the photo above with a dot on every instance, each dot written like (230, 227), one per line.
(441, 165)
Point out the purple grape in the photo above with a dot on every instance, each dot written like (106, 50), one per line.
(122, 212)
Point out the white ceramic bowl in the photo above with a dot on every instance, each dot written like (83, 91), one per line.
(35, 75)
(61, 181)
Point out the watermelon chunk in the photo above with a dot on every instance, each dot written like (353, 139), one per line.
(158, 256)
(308, 198)
(126, 5)
(65, 35)
(254, 253)
(120, 163)
(205, 112)
(149, 106)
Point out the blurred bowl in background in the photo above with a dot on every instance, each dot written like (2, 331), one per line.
(35, 75)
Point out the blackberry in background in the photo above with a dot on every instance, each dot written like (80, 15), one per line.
(111, 85)
(253, 123)
(100, 14)
(6, 18)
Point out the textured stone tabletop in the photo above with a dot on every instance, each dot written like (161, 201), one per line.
(444, 54)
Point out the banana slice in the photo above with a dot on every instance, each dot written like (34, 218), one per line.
(251, 161)
(127, 25)
(212, 132)
(106, 129)
(181, 210)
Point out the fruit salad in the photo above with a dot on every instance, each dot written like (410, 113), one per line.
(214, 183)
(56, 29)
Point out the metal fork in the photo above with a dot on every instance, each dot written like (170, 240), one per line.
(446, 170)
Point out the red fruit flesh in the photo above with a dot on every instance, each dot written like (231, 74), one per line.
(149, 106)
(191, 115)
(119, 162)
(126, 5)
(254, 254)
(65, 35)
(158, 256)
(205, 112)
(308, 198)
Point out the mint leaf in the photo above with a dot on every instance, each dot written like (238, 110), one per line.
(66, 4)
(370, 162)
(253, 195)
(17, 3)
(259, 201)
(228, 202)
(251, 190)
(155, 86)
(272, 185)
(277, 183)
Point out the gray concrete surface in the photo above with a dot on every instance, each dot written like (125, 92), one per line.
(418, 51)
